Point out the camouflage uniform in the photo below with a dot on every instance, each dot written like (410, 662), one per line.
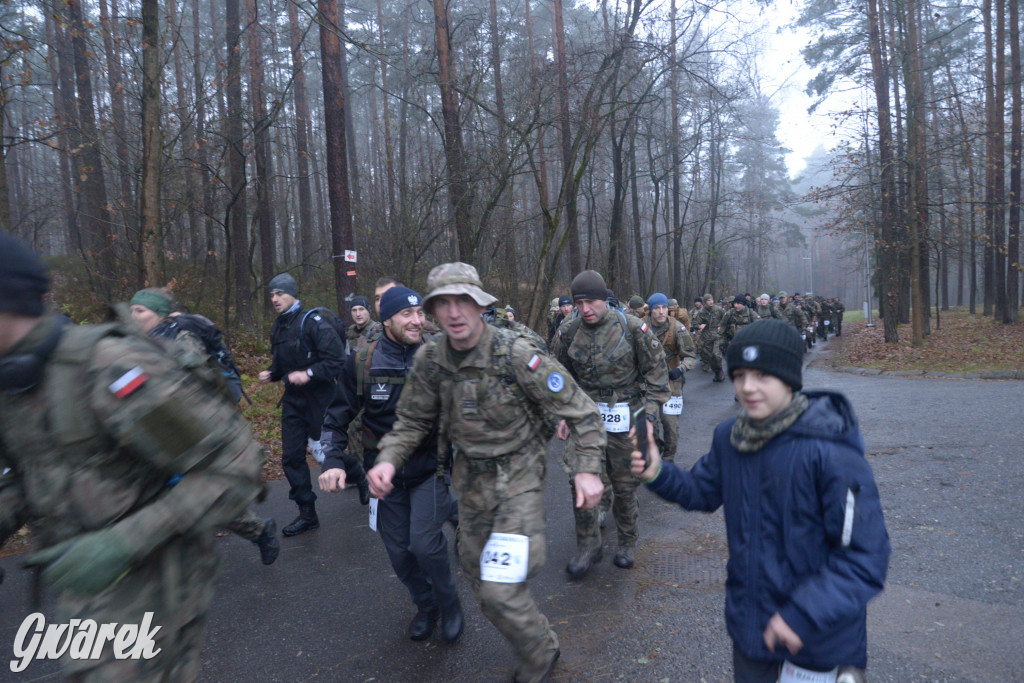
(825, 321)
(732, 323)
(679, 350)
(707, 339)
(794, 316)
(766, 311)
(500, 423)
(618, 360)
(124, 465)
(838, 309)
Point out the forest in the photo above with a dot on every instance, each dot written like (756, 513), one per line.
(207, 146)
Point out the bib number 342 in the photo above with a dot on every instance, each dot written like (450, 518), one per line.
(505, 558)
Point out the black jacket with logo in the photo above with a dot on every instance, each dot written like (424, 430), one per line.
(378, 402)
(318, 348)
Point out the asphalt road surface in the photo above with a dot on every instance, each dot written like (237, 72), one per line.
(949, 459)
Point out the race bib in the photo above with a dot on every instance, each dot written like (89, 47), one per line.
(616, 417)
(791, 673)
(673, 406)
(373, 514)
(828, 322)
(505, 558)
(803, 335)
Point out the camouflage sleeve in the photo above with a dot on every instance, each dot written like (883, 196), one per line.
(650, 361)
(559, 348)
(418, 409)
(547, 383)
(13, 506)
(172, 422)
(190, 349)
(685, 349)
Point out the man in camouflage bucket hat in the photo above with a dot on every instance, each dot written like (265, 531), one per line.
(495, 396)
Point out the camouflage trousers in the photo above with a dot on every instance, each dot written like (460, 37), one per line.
(176, 584)
(625, 507)
(710, 353)
(249, 525)
(506, 495)
(670, 427)
(355, 438)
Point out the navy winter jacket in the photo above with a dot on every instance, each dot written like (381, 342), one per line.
(805, 531)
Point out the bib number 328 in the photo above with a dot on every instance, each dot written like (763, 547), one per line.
(616, 417)
(505, 558)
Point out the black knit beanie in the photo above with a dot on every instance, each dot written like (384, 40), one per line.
(284, 283)
(588, 285)
(23, 278)
(360, 301)
(769, 345)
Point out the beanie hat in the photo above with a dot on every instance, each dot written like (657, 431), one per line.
(589, 285)
(22, 278)
(764, 296)
(360, 301)
(709, 297)
(769, 345)
(565, 301)
(673, 302)
(657, 299)
(155, 299)
(739, 299)
(698, 300)
(636, 302)
(398, 299)
(284, 283)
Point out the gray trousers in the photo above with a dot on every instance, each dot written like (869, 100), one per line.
(410, 521)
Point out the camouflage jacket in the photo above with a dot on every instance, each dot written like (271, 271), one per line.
(482, 414)
(734, 320)
(616, 360)
(794, 316)
(358, 337)
(117, 434)
(711, 319)
(768, 311)
(679, 349)
(522, 330)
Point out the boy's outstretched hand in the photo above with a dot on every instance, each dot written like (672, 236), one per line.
(778, 632)
(645, 470)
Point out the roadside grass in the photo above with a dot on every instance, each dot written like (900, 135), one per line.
(963, 343)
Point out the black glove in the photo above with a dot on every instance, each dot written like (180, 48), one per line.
(675, 373)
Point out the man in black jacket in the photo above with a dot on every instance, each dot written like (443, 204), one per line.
(308, 356)
(411, 516)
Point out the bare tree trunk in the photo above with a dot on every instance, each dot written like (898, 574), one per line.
(237, 204)
(115, 80)
(351, 141)
(571, 219)
(389, 154)
(152, 144)
(188, 138)
(261, 148)
(5, 200)
(886, 243)
(634, 190)
(675, 235)
(94, 210)
(301, 144)
(917, 190)
(59, 108)
(460, 193)
(334, 128)
(1012, 309)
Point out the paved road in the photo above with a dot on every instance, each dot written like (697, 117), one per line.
(949, 461)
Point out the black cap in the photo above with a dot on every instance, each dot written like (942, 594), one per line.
(588, 285)
(565, 301)
(23, 278)
(739, 299)
(769, 345)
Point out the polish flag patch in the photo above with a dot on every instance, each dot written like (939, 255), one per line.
(127, 383)
(534, 362)
(644, 328)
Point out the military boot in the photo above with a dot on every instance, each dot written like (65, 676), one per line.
(267, 542)
(581, 564)
(624, 557)
(718, 376)
(306, 521)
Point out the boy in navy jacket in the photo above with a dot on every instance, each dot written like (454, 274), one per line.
(808, 546)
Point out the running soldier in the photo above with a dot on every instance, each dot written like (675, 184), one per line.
(680, 356)
(494, 395)
(706, 322)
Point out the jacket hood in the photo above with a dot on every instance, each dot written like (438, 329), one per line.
(830, 416)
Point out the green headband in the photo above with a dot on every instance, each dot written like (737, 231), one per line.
(158, 304)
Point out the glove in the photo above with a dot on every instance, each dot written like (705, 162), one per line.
(86, 564)
(675, 373)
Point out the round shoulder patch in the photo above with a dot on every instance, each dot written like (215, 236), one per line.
(750, 354)
(555, 382)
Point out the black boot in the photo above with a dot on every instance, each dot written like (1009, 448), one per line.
(451, 623)
(267, 542)
(422, 625)
(580, 564)
(718, 376)
(306, 521)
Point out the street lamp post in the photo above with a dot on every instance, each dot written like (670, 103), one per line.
(810, 271)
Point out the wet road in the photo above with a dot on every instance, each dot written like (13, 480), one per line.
(949, 459)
